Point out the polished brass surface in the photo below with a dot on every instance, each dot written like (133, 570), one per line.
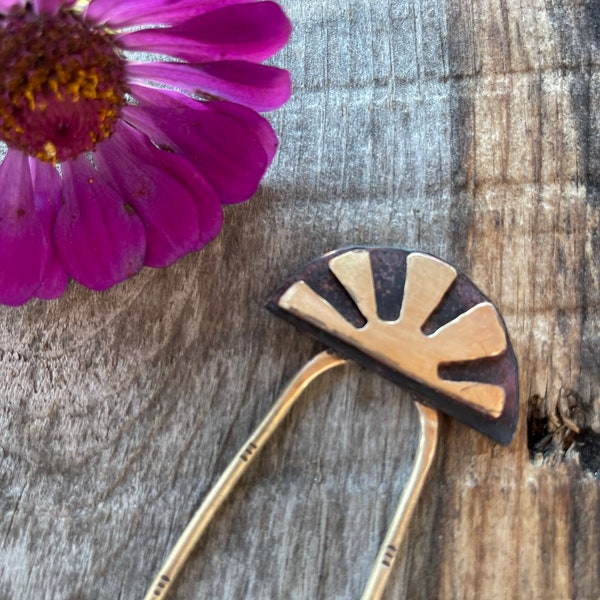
(242, 460)
(221, 490)
(386, 558)
(402, 344)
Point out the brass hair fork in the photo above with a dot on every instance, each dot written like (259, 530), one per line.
(415, 320)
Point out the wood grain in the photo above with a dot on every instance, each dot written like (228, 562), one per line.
(468, 129)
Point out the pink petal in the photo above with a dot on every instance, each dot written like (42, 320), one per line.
(246, 118)
(6, 5)
(99, 238)
(227, 153)
(260, 87)
(166, 192)
(137, 12)
(50, 7)
(253, 31)
(47, 186)
(253, 123)
(23, 242)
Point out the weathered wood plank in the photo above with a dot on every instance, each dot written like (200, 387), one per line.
(468, 129)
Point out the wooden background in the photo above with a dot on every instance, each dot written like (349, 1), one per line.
(466, 128)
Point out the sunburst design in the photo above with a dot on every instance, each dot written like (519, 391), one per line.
(402, 344)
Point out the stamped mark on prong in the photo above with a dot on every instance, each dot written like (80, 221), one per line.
(161, 585)
(389, 556)
(248, 452)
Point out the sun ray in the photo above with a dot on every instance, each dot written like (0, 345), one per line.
(353, 271)
(401, 344)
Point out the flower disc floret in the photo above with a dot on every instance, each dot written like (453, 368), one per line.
(62, 84)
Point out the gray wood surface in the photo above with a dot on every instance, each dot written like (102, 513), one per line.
(468, 129)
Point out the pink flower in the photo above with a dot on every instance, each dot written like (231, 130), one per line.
(111, 163)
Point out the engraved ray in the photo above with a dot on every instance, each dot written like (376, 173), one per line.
(485, 396)
(401, 344)
(353, 271)
(427, 281)
(476, 333)
(302, 300)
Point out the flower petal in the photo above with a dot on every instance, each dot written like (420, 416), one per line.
(50, 7)
(260, 87)
(253, 32)
(99, 238)
(137, 12)
(166, 192)
(6, 5)
(253, 123)
(47, 186)
(22, 237)
(246, 118)
(229, 155)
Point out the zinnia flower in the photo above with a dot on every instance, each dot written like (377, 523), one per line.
(112, 163)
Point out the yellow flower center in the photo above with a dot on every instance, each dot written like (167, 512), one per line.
(62, 84)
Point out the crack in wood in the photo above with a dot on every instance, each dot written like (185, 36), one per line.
(554, 436)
